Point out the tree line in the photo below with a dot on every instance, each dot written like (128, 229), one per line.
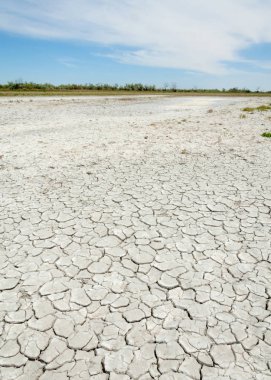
(139, 87)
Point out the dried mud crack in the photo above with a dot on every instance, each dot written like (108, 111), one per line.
(135, 239)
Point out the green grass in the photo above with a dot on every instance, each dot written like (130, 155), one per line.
(260, 108)
(266, 134)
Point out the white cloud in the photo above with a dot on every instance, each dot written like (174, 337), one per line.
(199, 35)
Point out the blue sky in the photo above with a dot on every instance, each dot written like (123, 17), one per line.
(200, 43)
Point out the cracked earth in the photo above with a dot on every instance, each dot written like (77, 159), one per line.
(134, 239)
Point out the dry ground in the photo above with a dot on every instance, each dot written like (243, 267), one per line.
(134, 239)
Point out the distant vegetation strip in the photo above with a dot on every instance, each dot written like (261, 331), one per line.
(26, 88)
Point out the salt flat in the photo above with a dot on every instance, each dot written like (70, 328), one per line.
(134, 239)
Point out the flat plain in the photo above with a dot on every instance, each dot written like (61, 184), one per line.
(135, 238)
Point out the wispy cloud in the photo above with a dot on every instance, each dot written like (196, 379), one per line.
(71, 63)
(199, 35)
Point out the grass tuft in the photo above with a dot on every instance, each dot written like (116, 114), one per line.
(260, 108)
(266, 134)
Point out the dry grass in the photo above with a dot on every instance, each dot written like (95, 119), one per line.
(124, 92)
(259, 108)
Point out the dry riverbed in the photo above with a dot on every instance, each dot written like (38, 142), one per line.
(135, 239)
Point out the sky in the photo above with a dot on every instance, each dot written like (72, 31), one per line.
(188, 43)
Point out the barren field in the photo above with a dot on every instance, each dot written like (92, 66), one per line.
(135, 239)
